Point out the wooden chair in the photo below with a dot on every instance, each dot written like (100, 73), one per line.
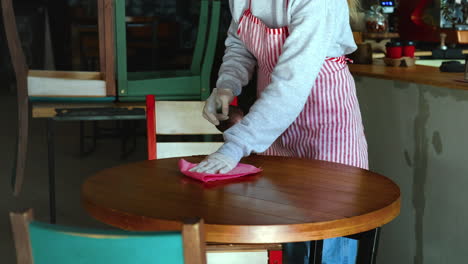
(191, 84)
(177, 118)
(38, 243)
(185, 118)
(59, 86)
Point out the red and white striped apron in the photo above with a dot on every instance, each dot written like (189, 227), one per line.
(329, 127)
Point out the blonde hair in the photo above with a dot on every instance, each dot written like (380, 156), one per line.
(354, 6)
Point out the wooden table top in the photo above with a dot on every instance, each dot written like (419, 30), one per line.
(291, 200)
(416, 74)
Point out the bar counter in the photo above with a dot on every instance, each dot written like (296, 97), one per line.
(416, 74)
(416, 125)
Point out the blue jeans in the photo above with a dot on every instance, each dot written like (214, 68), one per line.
(338, 250)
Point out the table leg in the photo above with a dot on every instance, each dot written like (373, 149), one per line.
(368, 244)
(316, 248)
(303, 252)
(51, 167)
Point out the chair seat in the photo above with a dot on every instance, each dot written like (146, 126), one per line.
(66, 84)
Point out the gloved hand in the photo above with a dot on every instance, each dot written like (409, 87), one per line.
(219, 99)
(216, 163)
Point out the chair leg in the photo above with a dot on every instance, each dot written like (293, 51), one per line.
(368, 244)
(128, 132)
(82, 139)
(83, 150)
(123, 131)
(23, 132)
(316, 248)
(51, 167)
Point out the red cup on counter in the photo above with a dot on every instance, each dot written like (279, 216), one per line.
(394, 50)
(408, 49)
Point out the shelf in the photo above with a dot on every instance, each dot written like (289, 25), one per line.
(386, 35)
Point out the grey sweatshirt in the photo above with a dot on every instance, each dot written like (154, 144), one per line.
(317, 29)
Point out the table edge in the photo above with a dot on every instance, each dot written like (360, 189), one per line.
(238, 234)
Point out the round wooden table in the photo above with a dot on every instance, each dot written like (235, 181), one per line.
(291, 200)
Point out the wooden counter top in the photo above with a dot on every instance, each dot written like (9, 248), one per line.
(415, 74)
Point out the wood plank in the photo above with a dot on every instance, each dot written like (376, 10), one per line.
(182, 118)
(20, 227)
(194, 242)
(23, 135)
(21, 69)
(73, 75)
(384, 35)
(101, 36)
(250, 257)
(57, 87)
(109, 46)
(181, 149)
(14, 42)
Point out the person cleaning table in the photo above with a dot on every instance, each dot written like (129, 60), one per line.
(307, 105)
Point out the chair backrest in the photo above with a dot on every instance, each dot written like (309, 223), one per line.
(52, 244)
(191, 84)
(21, 72)
(106, 46)
(24, 75)
(13, 40)
(106, 32)
(177, 118)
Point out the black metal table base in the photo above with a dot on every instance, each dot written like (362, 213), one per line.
(316, 249)
(124, 116)
(367, 247)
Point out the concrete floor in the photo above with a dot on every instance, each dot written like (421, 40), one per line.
(71, 171)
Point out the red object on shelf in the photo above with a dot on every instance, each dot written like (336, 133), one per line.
(394, 50)
(275, 257)
(408, 51)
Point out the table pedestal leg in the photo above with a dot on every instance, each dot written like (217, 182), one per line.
(316, 248)
(368, 244)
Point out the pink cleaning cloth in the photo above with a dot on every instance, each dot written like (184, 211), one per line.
(239, 171)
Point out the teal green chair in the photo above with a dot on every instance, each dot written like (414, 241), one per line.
(190, 84)
(42, 243)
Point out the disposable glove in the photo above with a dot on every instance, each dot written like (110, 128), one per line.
(216, 163)
(217, 105)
